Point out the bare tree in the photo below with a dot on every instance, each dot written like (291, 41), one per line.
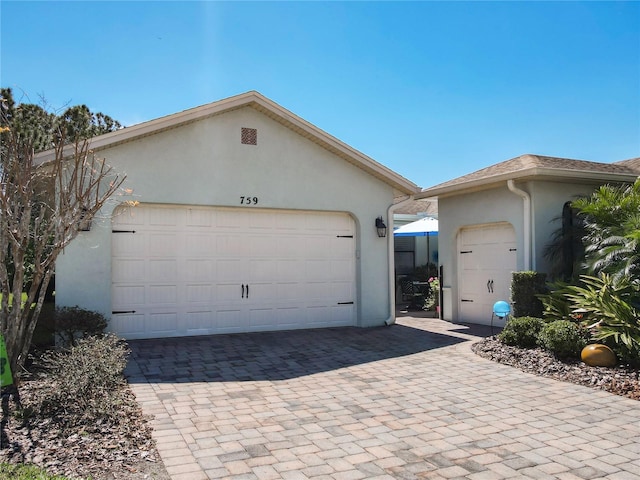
(43, 205)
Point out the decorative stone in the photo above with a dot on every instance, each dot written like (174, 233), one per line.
(598, 355)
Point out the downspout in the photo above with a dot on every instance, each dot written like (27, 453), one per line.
(527, 221)
(391, 259)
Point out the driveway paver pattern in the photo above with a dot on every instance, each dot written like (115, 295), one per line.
(409, 401)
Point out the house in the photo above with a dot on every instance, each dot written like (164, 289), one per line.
(499, 219)
(236, 216)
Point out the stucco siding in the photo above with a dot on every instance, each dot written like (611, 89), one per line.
(548, 198)
(204, 163)
(473, 209)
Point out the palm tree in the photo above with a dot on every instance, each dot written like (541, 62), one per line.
(611, 219)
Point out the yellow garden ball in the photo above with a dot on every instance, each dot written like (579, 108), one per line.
(598, 355)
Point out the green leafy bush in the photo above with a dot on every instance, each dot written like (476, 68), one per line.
(525, 288)
(72, 323)
(614, 304)
(556, 305)
(563, 337)
(521, 332)
(85, 382)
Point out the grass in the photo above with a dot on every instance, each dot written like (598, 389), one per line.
(44, 333)
(25, 472)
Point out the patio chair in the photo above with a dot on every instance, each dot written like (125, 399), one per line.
(411, 294)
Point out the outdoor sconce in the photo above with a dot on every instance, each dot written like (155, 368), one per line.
(84, 224)
(381, 227)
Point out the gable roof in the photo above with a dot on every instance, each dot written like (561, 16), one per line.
(265, 106)
(529, 166)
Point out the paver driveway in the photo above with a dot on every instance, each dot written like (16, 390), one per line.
(406, 401)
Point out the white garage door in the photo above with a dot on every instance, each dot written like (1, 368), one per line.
(180, 271)
(486, 260)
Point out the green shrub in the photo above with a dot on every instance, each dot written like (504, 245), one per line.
(563, 338)
(611, 306)
(525, 288)
(72, 323)
(85, 382)
(521, 332)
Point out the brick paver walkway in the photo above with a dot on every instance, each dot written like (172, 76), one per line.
(409, 401)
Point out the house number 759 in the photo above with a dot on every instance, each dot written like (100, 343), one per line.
(248, 200)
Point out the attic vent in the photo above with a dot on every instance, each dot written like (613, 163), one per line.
(249, 136)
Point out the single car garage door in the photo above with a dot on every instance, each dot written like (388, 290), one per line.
(180, 271)
(486, 260)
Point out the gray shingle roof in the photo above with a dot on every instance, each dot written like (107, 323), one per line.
(538, 165)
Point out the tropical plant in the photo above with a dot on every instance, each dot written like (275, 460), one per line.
(611, 217)
(614, 302)
(555, 303)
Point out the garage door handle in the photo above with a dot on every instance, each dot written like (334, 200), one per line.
(243, 290)
(247, 290)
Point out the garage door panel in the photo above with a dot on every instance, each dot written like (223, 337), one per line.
(198, 270)
(129, 326)
(230, 321)
(162, 294)
(486, 261)
(228, 219)
(317, 248)
(230, 246)
(289, 317)
(199, 245)
(163, 245)
(262, 293)
(129, 244)
(199, 322)
(163, 269)
(262, 319)
(128, 270)
(262, 270)
(227, 294)
(318, 270)
(184, 269)
(198, 293)
(164, 323)
(230, 271)
(290, 271)
(128, 296)
(199, 217)
(164, 217)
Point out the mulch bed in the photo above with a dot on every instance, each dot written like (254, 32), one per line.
(621, 380)
(99, 451)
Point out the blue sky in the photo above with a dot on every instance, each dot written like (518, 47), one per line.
(432, 90)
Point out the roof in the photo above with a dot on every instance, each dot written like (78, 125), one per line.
(265, 106)
(418, 207)
(526, 167)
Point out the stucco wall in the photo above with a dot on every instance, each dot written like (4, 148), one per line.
(548, 198)
(204, 163)
(478, 208)
(501, 205)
